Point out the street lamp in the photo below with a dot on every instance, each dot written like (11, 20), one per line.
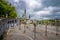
(56, 27)
(46, 24)
(34, 23)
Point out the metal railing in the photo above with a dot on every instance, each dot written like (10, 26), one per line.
(5, 24)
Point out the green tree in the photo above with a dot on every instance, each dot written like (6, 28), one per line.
(6, 8)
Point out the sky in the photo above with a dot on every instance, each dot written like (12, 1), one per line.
(37, 9)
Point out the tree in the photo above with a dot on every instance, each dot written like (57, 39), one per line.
(6, 8)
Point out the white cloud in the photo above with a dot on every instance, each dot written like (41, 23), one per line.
(15, 0)
(45, 18)
(33, 3)
(43, 13)
(51, 8)
(46, 11)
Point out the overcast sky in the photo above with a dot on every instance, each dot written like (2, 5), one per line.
(38, 9)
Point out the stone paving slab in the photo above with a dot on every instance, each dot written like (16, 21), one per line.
(14, 34)
(16, 37)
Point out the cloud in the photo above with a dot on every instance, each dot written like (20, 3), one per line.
(48, 12)
(16, 0)
(43, 12)
(39, 9)
(32, 4)
(51, 3)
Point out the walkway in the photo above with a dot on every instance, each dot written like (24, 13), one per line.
(15, 34)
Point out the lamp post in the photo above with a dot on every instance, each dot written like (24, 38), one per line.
(20, 25)
(56, 28)
(46, 23)
(34, 23)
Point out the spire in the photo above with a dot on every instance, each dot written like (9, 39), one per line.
(24, 14)
(25, 11)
